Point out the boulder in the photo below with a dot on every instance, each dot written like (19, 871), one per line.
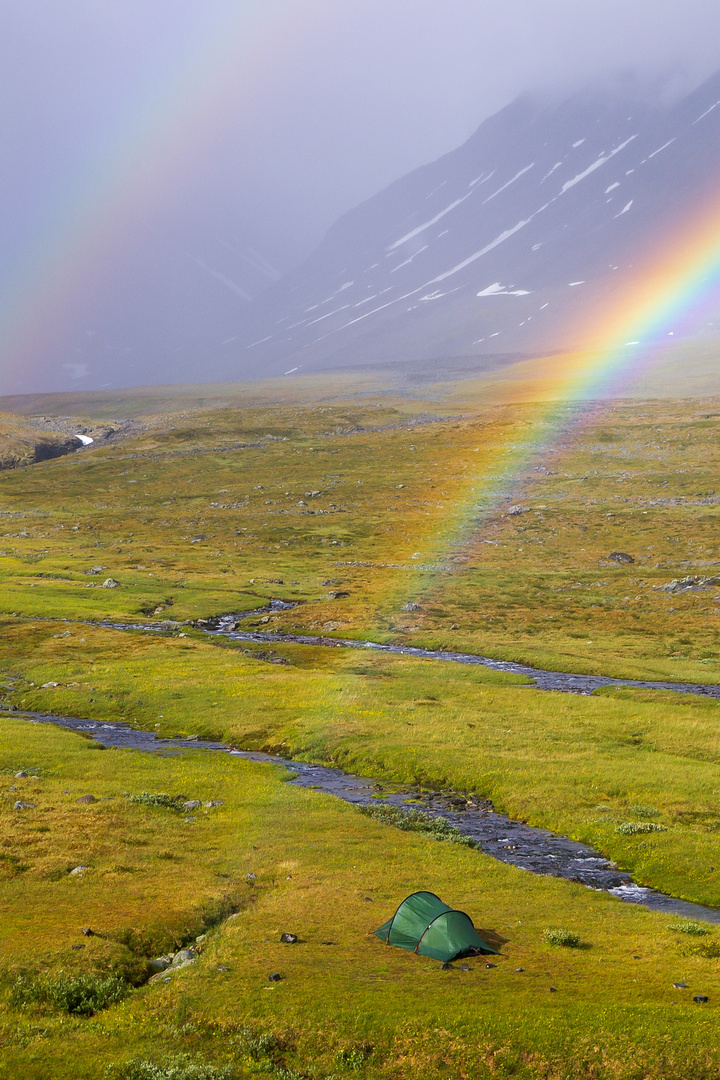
(160, 963)
(621, 557)
(288, 939)
(86, 799)
(192, 804)
(411, 607)
(110, 583)
(20, 775)
(275, 977)
(20, 805)
(514, 511)
(78, 871)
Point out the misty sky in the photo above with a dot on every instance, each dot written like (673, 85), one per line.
(306, 107)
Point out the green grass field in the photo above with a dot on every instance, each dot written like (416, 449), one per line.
(367, 513)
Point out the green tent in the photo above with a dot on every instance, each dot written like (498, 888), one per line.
(423, 924)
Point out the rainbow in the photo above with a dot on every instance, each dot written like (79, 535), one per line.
(203, 86)
(668, 297)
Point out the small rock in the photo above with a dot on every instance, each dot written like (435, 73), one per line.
(288, 939)
(86, 799)
(20, 805)
(447, 966)
(301, 503)
(464, 967)
(621, 557)
(519, 969)
(700, 999)
(160, 963)
(214, 802)
(680, 986)
(20, 775)
(250, 878)
(275, 977)
(513, 511)
(183, 956)
(192, 804)
(78, 871)
(369, 900)
(411, 607)
(311, 494)
(110, 583)
(49, 685)
(77, 946)
(491, 965)
(87, 932)
(222, 967)
(553, 990)
(200, 938)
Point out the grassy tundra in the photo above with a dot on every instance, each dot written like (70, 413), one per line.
(366, 514)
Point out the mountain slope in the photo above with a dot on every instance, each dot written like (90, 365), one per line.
(520, 241)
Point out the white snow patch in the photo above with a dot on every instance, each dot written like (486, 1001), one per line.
(342, 288)
(228, 340)
(419, 252)
(443, 233)
(291, 370)
(555, 166)
(536, 247)
(595, 165)
(625, 209)
(427, 224)
(544, 306)
(500, 290)
(702, 115)
(572, 284)
(366, 300)
(578, 143)
(254, 343)
(85, 439)
(483, 251)
(436, 189)
(663, 147)
(612, 187)
(515, 177)
(481, 179)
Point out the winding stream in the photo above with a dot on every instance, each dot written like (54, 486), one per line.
(535, 850)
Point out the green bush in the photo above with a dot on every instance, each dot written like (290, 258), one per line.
(259, 1047)
(644, 811)
(633, 828)
(152, 798)
(179, 1068)
(418, 821)
(696, 929)
(79, 995)
(567, 938)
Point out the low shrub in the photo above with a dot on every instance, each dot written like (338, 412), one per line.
(695, 929)
(439, 828)
(79, 995)
(633, 828)
(258, 1046)
(158, 798)
(644, 811)
(179, 1068)
(567, 938)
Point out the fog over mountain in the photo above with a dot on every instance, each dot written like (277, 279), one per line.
(171, 167)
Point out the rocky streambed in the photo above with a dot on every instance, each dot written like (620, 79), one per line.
(538, 851)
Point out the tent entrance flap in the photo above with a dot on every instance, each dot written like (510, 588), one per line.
(425, 925)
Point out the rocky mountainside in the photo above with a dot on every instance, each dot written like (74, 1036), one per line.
(515, 243)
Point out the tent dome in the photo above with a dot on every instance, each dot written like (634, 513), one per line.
(424, 924)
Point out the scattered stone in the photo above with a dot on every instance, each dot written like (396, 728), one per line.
(79, 945)
(700, 999)
(192, 804)
(288, 939)
(411, 607)
(87, 932)
(20, 775)
(680, 986)
(369, 900)
(688, 584)
(553, 990)
(464, 967)
(110, 583)
(301, 503)
(95, 570)
(513, 511)
(250, 878)
(212, 803)
(20, 805)
(275, 977)
(311, 494)
(222, 967)
(519, 969)
(337, 595)
(491, 965)
(86, 799)
(447, 966)
(621, 557)
(49, 685)
(78, 871)
(161, 963)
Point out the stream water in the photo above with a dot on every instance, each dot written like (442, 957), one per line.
(535, 850)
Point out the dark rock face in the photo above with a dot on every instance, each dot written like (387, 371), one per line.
(510, 245)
